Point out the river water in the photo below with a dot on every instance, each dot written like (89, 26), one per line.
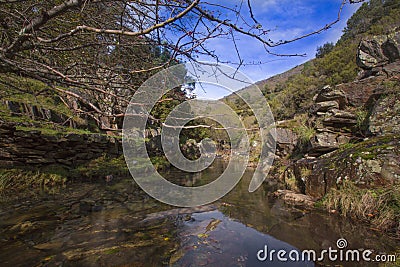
(117, 224)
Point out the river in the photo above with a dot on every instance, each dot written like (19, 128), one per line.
(117, 224)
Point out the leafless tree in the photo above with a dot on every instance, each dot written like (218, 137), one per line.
(99, 51)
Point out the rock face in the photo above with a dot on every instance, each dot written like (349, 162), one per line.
(21, 148)
(368, 164)
(385, 116)
(358, 93)
(378, 51)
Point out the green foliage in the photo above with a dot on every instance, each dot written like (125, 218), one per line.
(53, 130)
(304, 131)
(324, 49)
(362, 116)
(160, 163)
(375, 17)
(334, 64)
(338, 66)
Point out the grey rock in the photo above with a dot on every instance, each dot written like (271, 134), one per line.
(322, 143)
(296, 199)
(328, 93)
(325, 106)
(378, 51)
(339, 118)
(370, 54)
(385, 116)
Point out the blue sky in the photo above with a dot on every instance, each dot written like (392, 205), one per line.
(287, 19)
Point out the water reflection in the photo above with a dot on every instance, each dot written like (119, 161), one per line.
(119, 225)
(230, 243)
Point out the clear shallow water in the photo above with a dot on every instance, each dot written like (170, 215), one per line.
(119, 225)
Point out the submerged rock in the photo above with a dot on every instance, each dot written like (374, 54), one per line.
(294, 198)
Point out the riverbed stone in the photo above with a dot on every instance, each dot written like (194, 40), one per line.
(297, 199)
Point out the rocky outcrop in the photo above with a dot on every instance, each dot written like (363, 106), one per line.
(324, 106)
(349, 113)
(326, 141)
(23, 148)
(369, 164)
(358, 93)
(331, 118)
(378, 51)
(340, 118)
(322, 143)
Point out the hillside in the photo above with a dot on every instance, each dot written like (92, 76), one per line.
(291, 93)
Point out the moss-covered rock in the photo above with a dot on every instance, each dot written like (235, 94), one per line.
(372, 163)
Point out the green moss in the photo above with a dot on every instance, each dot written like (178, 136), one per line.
(29, 92)
(111, 251)
(54, 130)
(20, 180)
(160, 162)
(346, 146)
(101, 167)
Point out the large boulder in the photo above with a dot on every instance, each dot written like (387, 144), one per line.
(378, 51)
(370, 54)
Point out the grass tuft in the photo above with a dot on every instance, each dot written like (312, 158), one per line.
(380, 207)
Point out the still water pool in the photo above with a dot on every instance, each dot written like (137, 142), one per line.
(117, 224)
